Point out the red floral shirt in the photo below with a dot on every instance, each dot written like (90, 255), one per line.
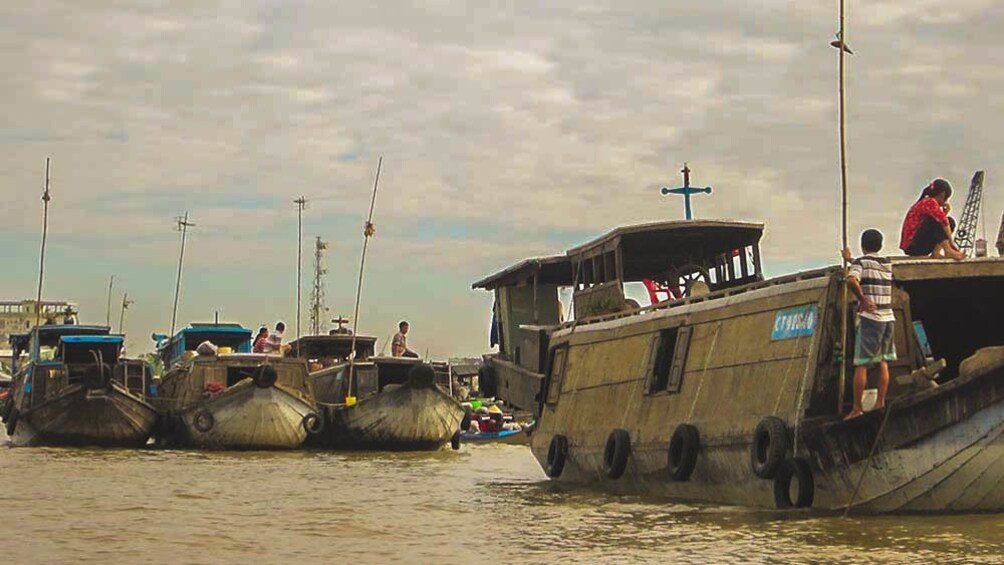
(926, 206)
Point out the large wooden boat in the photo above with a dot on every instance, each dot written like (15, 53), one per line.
(730, 391)
(232, 400)
(73, 390)
(401, 404)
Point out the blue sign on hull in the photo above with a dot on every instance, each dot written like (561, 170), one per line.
(794, 322)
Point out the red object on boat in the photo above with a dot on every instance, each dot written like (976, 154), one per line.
(654, 289)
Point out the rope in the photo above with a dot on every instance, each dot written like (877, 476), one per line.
(868, 463)
(368, 232)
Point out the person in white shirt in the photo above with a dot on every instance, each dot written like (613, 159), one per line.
(399, 347)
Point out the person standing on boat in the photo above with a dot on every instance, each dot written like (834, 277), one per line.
(399, 347)
(870, 278)
(927, 229)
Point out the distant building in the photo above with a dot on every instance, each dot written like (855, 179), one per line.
(18, 316)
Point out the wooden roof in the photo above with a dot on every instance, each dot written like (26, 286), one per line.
(556, 269)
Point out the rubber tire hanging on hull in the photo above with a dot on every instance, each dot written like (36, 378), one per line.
(616, 453)
(682, 454)
(203, 421)
(12, 421)
(265, 376)
(557, 453)
(769, 447)
(455, 441)
(313, 424)
(794, 469)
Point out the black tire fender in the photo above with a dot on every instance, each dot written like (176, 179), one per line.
(313, 424)
(455, 441)
(616, 453)
(557, 453)
(798, 470)
(12, 419)
(770, 445)
(265, 376)
(682, 454)
(203, 421)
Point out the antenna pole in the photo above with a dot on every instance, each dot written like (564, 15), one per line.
(842, 49)
(317, 294)
(183, 225)
(368, 232)
(301, 203)
(45, 232)
(108, 308)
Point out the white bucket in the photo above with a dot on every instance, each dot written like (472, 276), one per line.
(869, 399)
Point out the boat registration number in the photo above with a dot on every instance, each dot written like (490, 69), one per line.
(794, 322)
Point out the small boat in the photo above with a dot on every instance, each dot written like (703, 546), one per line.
(232, 400)
(395, 403)
(71, 391)
(511, 437)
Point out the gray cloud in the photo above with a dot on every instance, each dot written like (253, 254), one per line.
(530, 126)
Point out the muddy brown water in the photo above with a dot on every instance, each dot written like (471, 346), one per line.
(484, 504)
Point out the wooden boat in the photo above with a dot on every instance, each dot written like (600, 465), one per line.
(400, 406)
(730, 391)
(71, 391)
(232, 401)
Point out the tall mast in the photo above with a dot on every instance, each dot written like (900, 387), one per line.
(368, 232)
(301, 203)
(317, 308)
(108, 307)
(45, 232)
(125, 305)
(182, 225)
(842, 49)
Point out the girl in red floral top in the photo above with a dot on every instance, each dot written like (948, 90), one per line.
(927, 229)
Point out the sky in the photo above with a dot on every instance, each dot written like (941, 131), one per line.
(507, 129)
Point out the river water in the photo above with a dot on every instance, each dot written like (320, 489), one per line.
(483, 504)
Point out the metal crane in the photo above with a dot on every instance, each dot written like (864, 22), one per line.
(965, 232)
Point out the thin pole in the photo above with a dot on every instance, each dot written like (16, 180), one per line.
(368, 232)
(125, 304)
(108, 308)
(183, 225)
(300, 202)
(45, 232)
(841, 49)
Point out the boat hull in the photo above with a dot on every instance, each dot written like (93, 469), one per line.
(941, 450)
(409, 418)
(110, 417)
(508, 437)
(244, 416)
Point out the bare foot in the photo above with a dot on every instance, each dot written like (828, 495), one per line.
(854, 414)
(957, 255)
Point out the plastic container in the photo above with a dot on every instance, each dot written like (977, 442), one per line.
(350, 401)
(869, 399)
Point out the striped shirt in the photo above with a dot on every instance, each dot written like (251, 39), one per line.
(875, 276)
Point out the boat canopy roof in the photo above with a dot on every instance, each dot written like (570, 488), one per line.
(556, 269)
(638, 252)
(52, 335)
(100, 339)
(334, 346)
(234, 336)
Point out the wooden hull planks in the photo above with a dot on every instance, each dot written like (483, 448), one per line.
(110, 417)
(245, 416)
(408, 418)
(942, 450)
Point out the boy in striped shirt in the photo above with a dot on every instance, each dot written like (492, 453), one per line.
(870, 278)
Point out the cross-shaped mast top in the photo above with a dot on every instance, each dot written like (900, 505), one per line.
(686, 190)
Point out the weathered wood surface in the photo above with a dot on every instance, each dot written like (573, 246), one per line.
(109, 417)
(942, 449)
(244, 416)
(516, 385)
(405, 418)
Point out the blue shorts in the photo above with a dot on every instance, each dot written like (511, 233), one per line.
(874, 342)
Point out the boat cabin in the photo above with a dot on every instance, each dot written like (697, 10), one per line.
(329, 349)
(234, 336)
(674, 260)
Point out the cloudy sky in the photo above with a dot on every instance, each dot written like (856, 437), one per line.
(508, 129)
